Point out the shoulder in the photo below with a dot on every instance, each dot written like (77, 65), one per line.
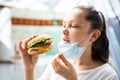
(103, 72)
(107, 72)
(108, 68)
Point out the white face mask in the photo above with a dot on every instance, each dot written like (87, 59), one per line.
(71, 51)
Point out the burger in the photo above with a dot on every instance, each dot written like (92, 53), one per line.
(40, 45)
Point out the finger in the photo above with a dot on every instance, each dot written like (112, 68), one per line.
(65, 61)
(54, 66)
(27, 40)
(20, 46)
(58, 66)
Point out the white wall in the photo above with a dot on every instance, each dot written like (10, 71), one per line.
(33, 14)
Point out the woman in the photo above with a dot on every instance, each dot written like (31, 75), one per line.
(83, 50)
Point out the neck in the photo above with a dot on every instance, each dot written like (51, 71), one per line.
(86, 62)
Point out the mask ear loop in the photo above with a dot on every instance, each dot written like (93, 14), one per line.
(86, 41)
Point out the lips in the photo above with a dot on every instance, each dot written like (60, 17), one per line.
(66, 40)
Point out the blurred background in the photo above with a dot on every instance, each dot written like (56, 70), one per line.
(20, 19)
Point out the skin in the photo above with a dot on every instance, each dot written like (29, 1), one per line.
(76, 28)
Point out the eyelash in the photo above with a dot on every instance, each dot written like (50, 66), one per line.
(74, 27)
(71, 26)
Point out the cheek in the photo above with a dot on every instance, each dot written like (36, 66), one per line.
(74, 35)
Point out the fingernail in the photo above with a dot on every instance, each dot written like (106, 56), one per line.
(60, 55)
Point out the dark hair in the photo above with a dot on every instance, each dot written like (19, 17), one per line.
(100, 48)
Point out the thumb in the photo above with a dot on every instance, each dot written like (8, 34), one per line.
(65, 61)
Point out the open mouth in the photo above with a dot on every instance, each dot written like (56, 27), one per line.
(66, 40)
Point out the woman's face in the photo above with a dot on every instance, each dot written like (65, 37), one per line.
(76, 27)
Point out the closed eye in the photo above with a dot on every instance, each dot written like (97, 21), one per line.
(75, 27)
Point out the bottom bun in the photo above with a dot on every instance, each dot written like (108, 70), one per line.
(39, 50)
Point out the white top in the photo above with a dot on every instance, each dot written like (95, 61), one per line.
(104, 72)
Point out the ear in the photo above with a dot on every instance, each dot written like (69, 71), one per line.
(96, 35)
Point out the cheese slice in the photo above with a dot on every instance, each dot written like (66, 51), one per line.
(42, 49)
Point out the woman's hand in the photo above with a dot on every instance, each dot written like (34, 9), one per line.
(29, 61)
(64, 68)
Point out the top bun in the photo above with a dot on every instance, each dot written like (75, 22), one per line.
(44, 36)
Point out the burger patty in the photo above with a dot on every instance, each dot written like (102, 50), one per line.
(47, 43)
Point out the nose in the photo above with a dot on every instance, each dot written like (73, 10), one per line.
(66, 31)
